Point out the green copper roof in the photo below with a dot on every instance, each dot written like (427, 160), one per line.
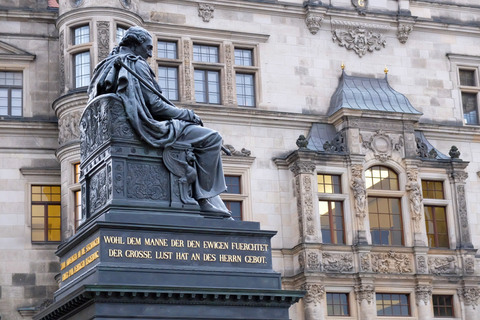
(362, 93)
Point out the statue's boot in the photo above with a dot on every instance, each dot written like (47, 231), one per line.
(215, 205)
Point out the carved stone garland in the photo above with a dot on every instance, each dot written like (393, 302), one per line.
(469, 296)
(303, 183)
(359, 192)
(423, 293)
(459, 180)
(205, 11)
(313, 22)
(391, 262)
(337, 262)
(103, 35)
(415, 197)
(364, 292)
(229, 73)
(188, 72)
(361, 38)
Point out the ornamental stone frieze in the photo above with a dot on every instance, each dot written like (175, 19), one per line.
(62, 62)
(359, 37)
(187, 70)
(359, 192)
(442, 265)
(365, 292)
(382, 145)
(304, 172)
(69, 127)
(469, 296)
(415, 197)
(337, 262)
(422, 264)
(469, 265)
(103, 39)
(365, 263)
(458, 178)
(313, 263)
(391, 262)
(205, 11)
(423, 293)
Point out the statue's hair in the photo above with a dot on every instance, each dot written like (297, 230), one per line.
(134, 36)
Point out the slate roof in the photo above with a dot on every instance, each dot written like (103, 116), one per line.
(362, 93)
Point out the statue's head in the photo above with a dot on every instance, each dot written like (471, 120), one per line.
(139, 41)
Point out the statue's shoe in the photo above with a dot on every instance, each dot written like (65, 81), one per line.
(207, 205)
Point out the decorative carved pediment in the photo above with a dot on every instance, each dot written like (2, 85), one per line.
(10, 52)
(359, 37)
(382, 145)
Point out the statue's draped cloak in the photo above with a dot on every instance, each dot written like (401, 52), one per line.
(158, 123)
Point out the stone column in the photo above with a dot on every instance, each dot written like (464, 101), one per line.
(304, 171)
(366, 302)
(458, 183)
(469, 297)
(423, 295)
(357, 184)
(313, 301)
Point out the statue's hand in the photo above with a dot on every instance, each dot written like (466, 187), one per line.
(197, 120)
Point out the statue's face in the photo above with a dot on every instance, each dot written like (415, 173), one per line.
(145, 49)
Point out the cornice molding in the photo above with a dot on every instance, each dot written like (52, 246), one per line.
(47, 129)
(90, 12)
(28, 15)
(68, 151)
(70, 102)
(41, 171)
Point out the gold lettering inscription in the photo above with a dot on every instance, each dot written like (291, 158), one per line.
(361, 3)
(209, 257)
(230, 258)
(141, 254)
(215, 245)
(255, 259)
(113, 239)
(193, 244)
(163, 255)
(134, 241)
(177, 243)
(92, 257)
(241, 246)
(79, 266)
(181, 255)
(195, 257)
(116, 253)
(156, 242)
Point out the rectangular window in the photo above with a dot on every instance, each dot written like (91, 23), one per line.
(469, 88)
(81, 35)
(207, 86)
(432, 189)
(168, 81)
(331, 219)
(328, 183)
(82, 69)
(435, 216)
(396, 305)
(234, 187)
(167, 49)
(46, 219)
(245, 90)
(385, 221)
(244, 57)
(337, 304)
(76, 168)
(120, 33)
(11, 92)
(442, 306)
(78, 209)
(203, 53)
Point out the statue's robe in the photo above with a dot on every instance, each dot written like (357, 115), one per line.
(158, 123)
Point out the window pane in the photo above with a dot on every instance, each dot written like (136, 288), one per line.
(385, 221)
(337, 304)
(46, 201)
(243, 57)
(81, 35)
(467, 77)
(245, 90)
(381, 178)
(168, 81)
(233, 184)
(167, 49)
(204, 53)
(82, 69)
(120, 33)
(469, 103)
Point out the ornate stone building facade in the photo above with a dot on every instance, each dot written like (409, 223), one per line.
(369, 176)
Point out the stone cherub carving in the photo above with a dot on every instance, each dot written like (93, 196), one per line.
(159, 123)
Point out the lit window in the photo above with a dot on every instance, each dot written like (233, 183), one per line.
(76, 178)
(167, 49)
(168, 81)
(234, 187)
(331, 211)
(77, 197)
(243, 57)
(46, 219)
(385, 213)
(204, 53)
(82, 69)
(207, 86)
(328, 183)
(81, 35)
(11, 91)
(245, 90)
(337, 304)
(120, 33)
(435, 216)
(396, 305)
(442, 306)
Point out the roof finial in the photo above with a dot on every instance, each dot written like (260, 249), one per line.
(343, 66)
(385, 70)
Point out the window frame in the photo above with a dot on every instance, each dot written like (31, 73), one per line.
(452, 306)
(469, 89)
(170, 63)
(247, 70)
(45, 204)
(409, 304)
(73, 49)
(74, 64)
(206, 72)
(227, 200)
(239, 166)
(9, 94)
(347, 295)
(75, 188)
(436, 203)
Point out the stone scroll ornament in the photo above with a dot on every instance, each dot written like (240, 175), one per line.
(361, 38)
(359, 192)
(442, 265)
(415, 197)
(205, 11)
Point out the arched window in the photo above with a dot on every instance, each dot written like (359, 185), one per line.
(384, 209)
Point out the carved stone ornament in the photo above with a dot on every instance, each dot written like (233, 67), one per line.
(301, 261)
(459, 176)
(441, 266)
(422, 150)
(300, 167)
(361, 38)
(306, 220)
(391, 262)
(423, 293)
(415, 197)
(422, 265)
(338, 143)
(469, 296)
(361, 6)
(365, 292)
(302, 142)
(229, 56)
(312, 261)
(314, 295)
(205, 11)
(462, 213)
(469, 265)
(365, 262)
(382, 145)
(62, 62)
(403, 32)
(359, 191)
(313, 22)
(238, 153)
(188, 70)
(68, 127)
(103, 35)
(337, 262)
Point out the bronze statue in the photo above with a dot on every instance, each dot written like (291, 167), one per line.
(157, 121)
